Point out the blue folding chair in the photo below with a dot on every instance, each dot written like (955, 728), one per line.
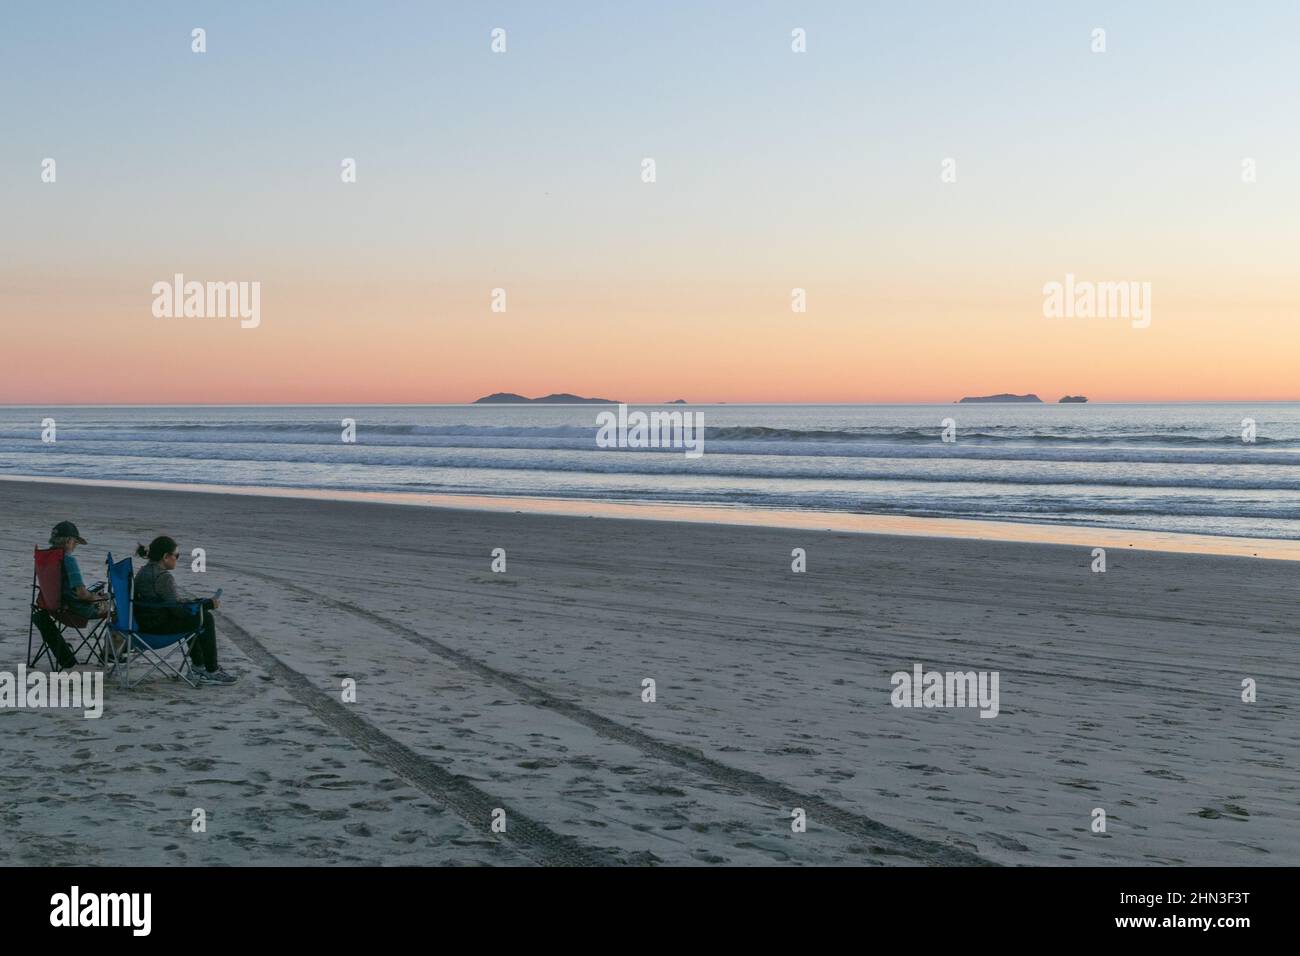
(150, 652)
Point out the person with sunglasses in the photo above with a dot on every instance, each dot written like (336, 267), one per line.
(156, 585)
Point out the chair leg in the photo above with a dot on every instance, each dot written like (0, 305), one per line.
(93, 642)
(76, 651)
(109, 656)
(161, 661)
(143, 656)
(52, 638)
(31, 625)
(44, 649)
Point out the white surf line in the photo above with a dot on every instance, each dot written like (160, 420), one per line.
(882, 839)
(534, 840)
(846, 522)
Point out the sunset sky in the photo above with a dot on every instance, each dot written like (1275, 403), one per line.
(775, 170)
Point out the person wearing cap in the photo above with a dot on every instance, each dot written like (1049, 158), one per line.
(76, 597)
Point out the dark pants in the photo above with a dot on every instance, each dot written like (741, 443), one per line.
(203, 648)
(87, 609)
(53, 639)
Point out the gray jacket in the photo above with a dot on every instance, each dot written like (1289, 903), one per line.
(154, 585)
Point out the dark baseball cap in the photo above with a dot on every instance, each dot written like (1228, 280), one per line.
(66, 529)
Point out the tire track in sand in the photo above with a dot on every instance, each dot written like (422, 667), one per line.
(882, 838)
(534, 840)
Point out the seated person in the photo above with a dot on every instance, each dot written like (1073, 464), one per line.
(154, 584)
(76, 598)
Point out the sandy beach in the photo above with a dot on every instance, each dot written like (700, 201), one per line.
(522, 691)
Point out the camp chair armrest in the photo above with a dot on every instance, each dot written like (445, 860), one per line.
(183, 605)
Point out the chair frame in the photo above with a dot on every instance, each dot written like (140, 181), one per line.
(136, 642)
(92, 640)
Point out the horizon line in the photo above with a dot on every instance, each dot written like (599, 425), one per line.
(755, 404)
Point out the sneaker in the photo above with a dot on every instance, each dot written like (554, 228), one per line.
(217, 676)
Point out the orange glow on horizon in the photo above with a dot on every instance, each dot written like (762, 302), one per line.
(412, 343)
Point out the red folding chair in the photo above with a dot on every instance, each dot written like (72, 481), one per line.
(53, 620)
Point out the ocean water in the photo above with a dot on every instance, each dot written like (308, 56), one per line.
(1180, 468)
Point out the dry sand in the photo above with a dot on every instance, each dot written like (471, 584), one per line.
(522, 691)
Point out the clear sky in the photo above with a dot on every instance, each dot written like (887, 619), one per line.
(775, 170)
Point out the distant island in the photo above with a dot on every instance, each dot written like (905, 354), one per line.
(677, 401)
(1004, 397)
(1072, 400)
(558, 398)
